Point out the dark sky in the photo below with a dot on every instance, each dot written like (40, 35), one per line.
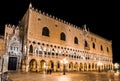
(101, 17)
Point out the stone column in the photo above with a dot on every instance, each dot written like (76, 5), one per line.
(87, 66)
(55, 67)
(38, 67)
(23, 66)
(83, 67)
(27, 67)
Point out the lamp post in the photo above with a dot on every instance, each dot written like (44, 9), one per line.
(116, 67)
(64, 61)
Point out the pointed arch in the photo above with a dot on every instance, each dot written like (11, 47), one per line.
(93, 45)
(33, 65)
(107, 49)
(75, 40)
(45, 32)
(63, 36)
(101, 47)
(31, 49)
(86, 43)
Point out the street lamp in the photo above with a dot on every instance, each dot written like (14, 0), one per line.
(116, 67)
(64, 61)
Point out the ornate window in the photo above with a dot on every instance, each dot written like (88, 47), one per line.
(86, 44)
(101, 47)
(62, 36)
(31, 49)
(93, 45)
(45, 31)
(75, 40)
(107, 49)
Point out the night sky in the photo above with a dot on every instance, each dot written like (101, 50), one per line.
(102, 18)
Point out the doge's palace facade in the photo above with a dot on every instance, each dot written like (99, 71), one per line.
(43, 42)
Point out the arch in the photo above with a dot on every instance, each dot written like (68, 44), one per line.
(51, 65)
(101, 48)
(63, 36)
(33, 65)
(42, 65)
(45, 32)
(93, 45)
(76, 66)
(93, 66)
(58, 66)
(31, 49)
(86, 43)
(40, 50)
(107, 49)
(81, 66)
(75, 40)
(70, 66)
(89, 66)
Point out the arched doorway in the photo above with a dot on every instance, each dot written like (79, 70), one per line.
(12, 64)
(81, 66)
(93, 66)
(89, 66)
(51, 65)
(33, 65)
(70, 66)
(76, 67)
(58, 66)
(42, 65)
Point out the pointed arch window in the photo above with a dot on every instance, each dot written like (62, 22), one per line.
(101, 47)
(93, 45)
(31, 49)
(107, 49)
(62, 36)
(75, 40)
(45, 32)
(86, 44)
(13, 31)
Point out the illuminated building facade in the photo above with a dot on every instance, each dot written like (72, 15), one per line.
(42, 41)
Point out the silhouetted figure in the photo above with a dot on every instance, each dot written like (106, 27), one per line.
(50, 71)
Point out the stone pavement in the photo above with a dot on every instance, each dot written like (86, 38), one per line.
(58, 76)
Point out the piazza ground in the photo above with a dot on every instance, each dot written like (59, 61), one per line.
(69, 76)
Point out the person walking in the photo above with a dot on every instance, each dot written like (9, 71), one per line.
(50, 71)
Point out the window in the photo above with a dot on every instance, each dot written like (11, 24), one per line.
(93, 45)
(101, 48)
(62, 36)
(86, 44)
(45, 31)
(107, 49)
(75, 40)
(13, 31)
(31, 49)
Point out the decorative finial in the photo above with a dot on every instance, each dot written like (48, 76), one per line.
(85, 27)
(30, 5)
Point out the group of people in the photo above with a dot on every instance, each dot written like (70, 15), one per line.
(49, 71)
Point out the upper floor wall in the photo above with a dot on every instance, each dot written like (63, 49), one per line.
(42, 27)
